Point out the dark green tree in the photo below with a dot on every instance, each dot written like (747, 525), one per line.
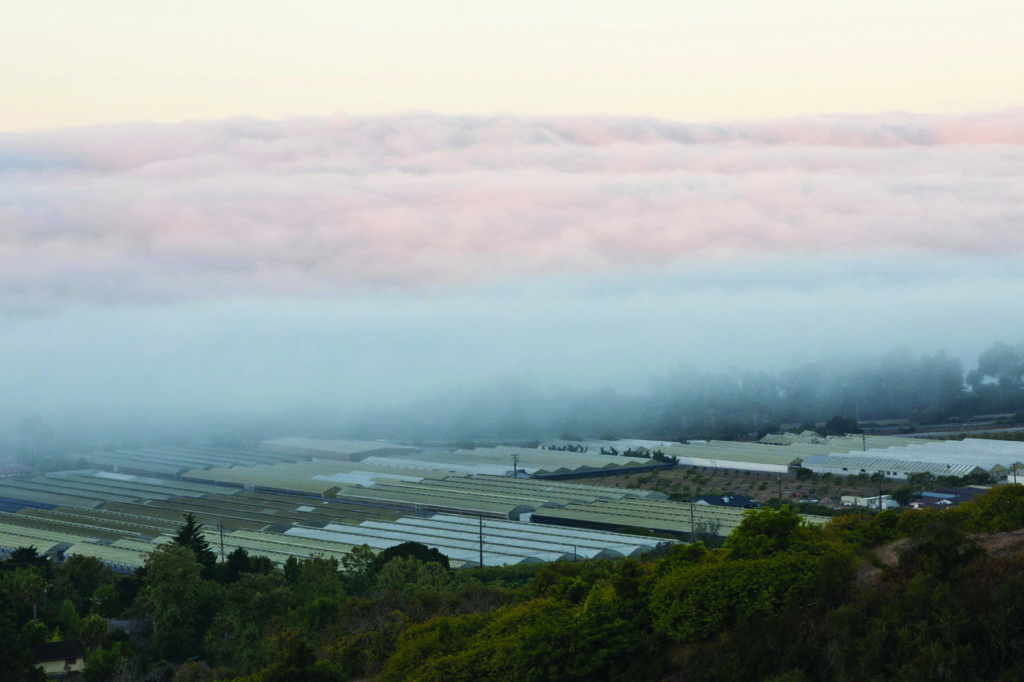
(841, 426)
(238, 562)
(904, 495)
(23, 557)
(173, 594)
(190, 535)
(415, 550)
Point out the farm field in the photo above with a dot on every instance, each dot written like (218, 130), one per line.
(685, 482)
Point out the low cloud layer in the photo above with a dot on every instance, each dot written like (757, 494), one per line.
(165, 276)
(152, 212)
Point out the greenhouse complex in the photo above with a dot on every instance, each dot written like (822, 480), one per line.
(300, 497)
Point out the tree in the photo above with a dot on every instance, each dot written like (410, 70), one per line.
(904, 495)
(840, 426)
(173, 592)
(415, 550)
(318, 577)
(30, 584)
(763, 532)
(68, 620)
(252, 605)
(357, 568)
(998, 510)
(1003, 363)
(92, 630)
(190, 535)
(238, 562)
(920, 482)
(291, 571)
(296, 661)
(261, 565)
(16, 660)
(27, 556)
(85, 575)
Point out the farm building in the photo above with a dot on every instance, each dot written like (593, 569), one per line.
(503, 542)
(1000, 459)
(343, 450)
(731, 455)
(678, 519)
(890, 467)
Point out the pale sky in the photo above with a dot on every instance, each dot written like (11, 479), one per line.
(68, 63)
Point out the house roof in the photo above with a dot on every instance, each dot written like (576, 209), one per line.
(56, 651)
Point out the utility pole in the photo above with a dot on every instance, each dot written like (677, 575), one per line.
(780, 491)
(515, 465)
(864, 441)
(481, 542)
(1014, 472)
(693, 526)
(574, 553)
(221, 542)
(881, 477)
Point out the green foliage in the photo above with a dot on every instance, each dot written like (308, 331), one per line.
(764, 532)
(411, 585)
(1000, 509)
(424, 652)
(92, 630)
(238, 562)
(80, 577)
(16, 661)
(815, 509)
(841, 426)
(29, 584)
(68, 620)
(173, 593)
(190, 535)
(863, 530)
(695, 602)
(318, 577)
(904, 495)
(296, 661)
(542, 639)
(357, 567)
(252, 607)
(778, 601)
(940, 549)
(414, 550)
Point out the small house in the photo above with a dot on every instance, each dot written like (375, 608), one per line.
(60, 658)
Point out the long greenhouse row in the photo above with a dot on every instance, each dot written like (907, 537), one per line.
(678, 519)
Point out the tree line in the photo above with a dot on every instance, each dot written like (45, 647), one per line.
(890, 595)
(688, 402)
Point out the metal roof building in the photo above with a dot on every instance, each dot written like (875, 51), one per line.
(345, 450)
(314, 478)
(891, 467)
(732, 455)
(492, 496)
(674, 518)
(941, 458)
(504, 542)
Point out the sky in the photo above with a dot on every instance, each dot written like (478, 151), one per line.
(258, 207)
(68, 63)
